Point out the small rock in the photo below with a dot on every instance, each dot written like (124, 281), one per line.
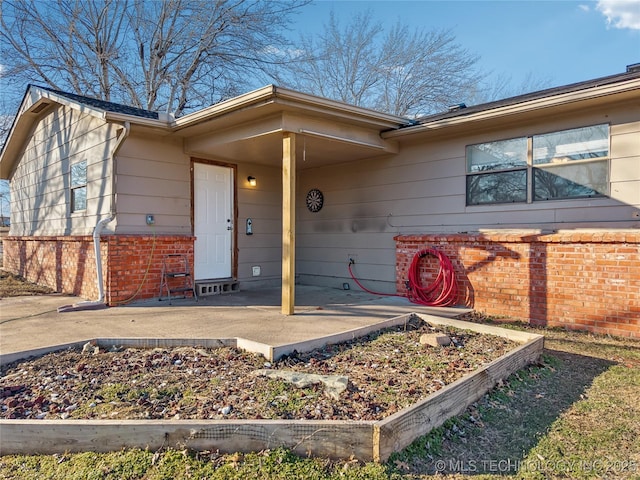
(87, 348)
(226, 410)
(267, 364)
(435, 340)
(334, 384)
(178, 363)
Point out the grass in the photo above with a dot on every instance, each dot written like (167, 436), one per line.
(573, 415)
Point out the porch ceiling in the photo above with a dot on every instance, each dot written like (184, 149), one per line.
(251, 128)
(311, 150)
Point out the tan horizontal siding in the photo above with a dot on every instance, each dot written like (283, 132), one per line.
(422, 189)
(153, 178)
(40, 184)
(157, 168)
(263, 204)
(153, 187)
(625, 145)
(626, 169)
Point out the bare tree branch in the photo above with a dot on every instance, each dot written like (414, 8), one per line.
(172, 55)
(404, 72)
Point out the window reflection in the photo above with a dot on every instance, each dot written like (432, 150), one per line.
(571, 181)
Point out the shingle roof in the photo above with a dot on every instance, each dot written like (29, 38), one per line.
(103, 105)
(528, 97)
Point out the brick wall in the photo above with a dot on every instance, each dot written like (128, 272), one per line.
(135, 264)
(131, 264)
(65, 264)
(580, 280)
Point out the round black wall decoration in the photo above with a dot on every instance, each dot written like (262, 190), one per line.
(315, 200)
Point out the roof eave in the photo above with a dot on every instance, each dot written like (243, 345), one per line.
(225, 107)
(383, 120)
(518, 107)
(36, 100)
(273, 94)
(118, 117)
(33, 103)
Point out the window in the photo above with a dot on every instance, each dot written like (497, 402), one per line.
(571, 164)
(559, 165)
(507, 163)
(79, 186)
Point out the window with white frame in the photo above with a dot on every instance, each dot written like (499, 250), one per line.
(560, 165)
(78, 186)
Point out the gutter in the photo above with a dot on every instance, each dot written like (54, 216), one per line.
(518, 105)
(288, 98)
(99, 303)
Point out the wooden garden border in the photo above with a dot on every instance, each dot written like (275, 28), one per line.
(364, 440)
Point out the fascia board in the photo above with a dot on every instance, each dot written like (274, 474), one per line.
(292, 99)
(22, 124)
(234, 104)
(94, 111)
(135, 120)
(519, 108)
(380, 119)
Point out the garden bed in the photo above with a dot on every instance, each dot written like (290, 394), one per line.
(213, 399)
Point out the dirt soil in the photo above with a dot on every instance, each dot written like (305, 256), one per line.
(386, 372)
(14, 286)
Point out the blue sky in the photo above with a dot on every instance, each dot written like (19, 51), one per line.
(555, 42)
(560, 42)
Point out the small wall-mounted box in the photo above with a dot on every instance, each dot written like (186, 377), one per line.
(256, 270)
(150, 219)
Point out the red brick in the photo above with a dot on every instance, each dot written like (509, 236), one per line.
(574, 278)
(125, 261)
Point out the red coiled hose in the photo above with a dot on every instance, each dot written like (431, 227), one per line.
(443, 291)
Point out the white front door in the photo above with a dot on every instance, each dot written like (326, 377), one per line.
(213, 221)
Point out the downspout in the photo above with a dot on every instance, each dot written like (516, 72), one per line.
(126, 128)
(99, 303)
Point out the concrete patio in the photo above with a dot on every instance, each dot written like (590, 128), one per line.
(33, 322)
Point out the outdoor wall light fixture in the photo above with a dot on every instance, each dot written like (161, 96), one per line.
(252, 181)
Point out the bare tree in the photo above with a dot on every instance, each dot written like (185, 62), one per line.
(171, 55)
(404, 72)
(501, 86)
(6, 121)
(424, 72)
